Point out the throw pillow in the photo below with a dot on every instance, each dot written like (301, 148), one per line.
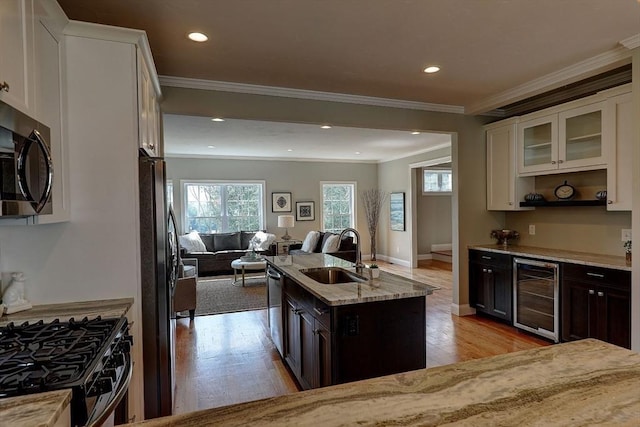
(310, 241)
(262, 241)
(192, 242)
(331, 244)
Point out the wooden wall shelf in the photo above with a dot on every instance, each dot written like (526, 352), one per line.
(557, 203)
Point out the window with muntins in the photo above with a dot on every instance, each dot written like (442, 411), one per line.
(338, 206)
(220, 207)
(436, 180)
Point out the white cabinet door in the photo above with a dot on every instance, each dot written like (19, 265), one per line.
(148, 110)
(580, 142)
(505, 191)
(538, 145)
(16, 54)
(49, 110)
(619, 129)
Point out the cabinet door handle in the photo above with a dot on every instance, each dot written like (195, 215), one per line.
(609, 202)
(600, 294)
(489, 271)
(510, 203)
(4, 86)
(560, 161)
(601, 276)
(484, 270)
(591, 292)
(318, 311)
(553, 162)
(486, 257)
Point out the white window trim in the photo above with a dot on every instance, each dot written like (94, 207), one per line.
(436, 193)
(354, 207)
(184, 182)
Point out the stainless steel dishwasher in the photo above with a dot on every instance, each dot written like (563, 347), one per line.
(274, 301)
(536, 297)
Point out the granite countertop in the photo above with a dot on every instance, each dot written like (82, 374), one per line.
(584, 258)
(41, 409)
(573, 384)
(44, 409)
(64, 311)
(387, 287)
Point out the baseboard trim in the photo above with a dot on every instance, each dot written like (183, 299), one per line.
(441, 247)
(394, 260)
(443, 258)
(462, 310)
(422, 257)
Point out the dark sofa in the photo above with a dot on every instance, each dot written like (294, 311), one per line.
(347, 249)
(222, 248)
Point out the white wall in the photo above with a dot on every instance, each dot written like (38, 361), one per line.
(434, 218)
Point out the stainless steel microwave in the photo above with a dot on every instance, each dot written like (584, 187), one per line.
(26, 169)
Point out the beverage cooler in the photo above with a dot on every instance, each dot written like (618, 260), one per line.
(536, 297)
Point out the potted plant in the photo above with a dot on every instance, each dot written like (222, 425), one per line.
(375, 271)
(627, 251)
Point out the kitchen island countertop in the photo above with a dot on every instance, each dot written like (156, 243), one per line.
(387, 287)
(573, 257)
(579, 383)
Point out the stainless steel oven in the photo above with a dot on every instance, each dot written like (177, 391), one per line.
(536, 304)
(26, 169)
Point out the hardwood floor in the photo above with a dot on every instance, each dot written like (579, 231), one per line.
(229, 358)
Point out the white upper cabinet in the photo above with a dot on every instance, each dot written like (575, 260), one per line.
(16, 54)
(619, 126)
(565, 141)
(148, 109)
(505, 191)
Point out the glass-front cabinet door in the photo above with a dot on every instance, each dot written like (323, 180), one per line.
(538, 144)
(580, 138)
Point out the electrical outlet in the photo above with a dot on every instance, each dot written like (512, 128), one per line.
(532, 229)
(626, 234)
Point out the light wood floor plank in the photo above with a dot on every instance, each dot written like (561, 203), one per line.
(229, 358)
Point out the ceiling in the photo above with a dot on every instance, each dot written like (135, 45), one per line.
(190, 136)
(378, 48)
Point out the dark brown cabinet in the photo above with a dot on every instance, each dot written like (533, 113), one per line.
(326, 345)
(596, 303)
(490, 283)
(308, 340)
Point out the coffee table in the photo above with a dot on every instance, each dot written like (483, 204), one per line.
(239, 264)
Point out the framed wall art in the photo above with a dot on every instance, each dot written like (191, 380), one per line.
(305, 211)
(396, 204)
(280, 202)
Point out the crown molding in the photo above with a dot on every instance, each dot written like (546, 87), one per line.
(631, 42)
(305, 94)
(553, 80)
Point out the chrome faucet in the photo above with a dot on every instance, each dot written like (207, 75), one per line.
(359, 265)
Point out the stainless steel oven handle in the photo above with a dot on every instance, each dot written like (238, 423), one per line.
(124, 386)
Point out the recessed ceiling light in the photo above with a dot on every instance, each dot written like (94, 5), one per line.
(415, 133)
(198, 37)
(217, 119)
(211, 146)
(431, 69)
(289, 150)
(357, 152)
(325, 127)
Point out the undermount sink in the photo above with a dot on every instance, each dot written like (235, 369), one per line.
(332, 275)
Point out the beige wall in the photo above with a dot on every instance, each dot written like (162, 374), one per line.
(468, 150)
(302, 179)
(433, 219)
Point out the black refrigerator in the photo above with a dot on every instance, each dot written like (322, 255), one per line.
(157, 274)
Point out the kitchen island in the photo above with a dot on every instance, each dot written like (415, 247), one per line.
(332, 325)
(584, 382)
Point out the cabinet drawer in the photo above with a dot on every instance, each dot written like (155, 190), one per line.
(597, 275)
(322, 313)
(492, 258)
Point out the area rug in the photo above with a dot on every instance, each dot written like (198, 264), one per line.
(217, 295)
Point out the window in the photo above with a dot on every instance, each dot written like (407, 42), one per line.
(220, 207)
(436, 180)
(338, 206)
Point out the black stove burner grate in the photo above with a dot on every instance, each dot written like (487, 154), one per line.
(45, 356)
